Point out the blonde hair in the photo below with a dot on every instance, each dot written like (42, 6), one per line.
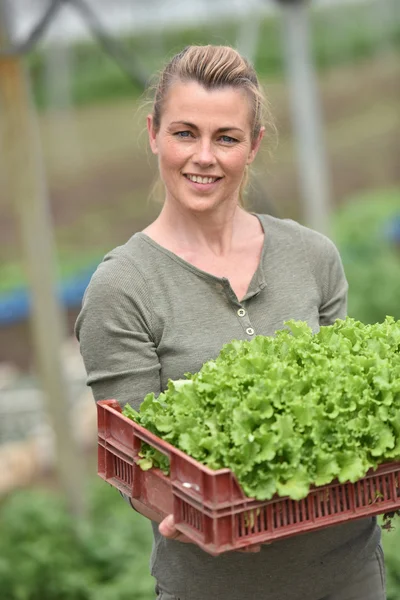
(214, 67)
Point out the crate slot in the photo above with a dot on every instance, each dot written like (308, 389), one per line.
(384, 485)
(361, 493)
(293, 511)
(276, 515)
(191, 516)
(304, 510)
(122, 470)
(340, 498)
(252, 522)
(323, 504)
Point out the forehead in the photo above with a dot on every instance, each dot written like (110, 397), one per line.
(193, 103)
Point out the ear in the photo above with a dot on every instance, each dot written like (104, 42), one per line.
(255, 146)
(152, 134)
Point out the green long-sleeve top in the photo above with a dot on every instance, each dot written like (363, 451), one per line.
(149, 316)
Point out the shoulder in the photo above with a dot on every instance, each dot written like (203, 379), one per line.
(122, 267)
(312, 249)
(117, 291)
(119, 282)
(317, 246)
(288, 228)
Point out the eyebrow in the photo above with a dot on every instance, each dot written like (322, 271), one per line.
(193, 126)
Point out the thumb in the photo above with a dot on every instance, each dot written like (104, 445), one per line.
(167, 526)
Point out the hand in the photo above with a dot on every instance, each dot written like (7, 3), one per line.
(167, 529)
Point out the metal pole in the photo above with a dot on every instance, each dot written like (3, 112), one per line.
(249, 35)
(27, 191)
(307, 118)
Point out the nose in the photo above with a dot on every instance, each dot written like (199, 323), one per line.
(204, 155)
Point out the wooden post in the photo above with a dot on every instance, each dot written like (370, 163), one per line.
(27, 190)
(58, 101)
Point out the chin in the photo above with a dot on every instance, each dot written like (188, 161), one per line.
(199, 204)
(202, 206)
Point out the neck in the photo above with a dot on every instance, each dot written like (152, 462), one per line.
(203, 232)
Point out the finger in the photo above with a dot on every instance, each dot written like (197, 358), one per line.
(167, 527)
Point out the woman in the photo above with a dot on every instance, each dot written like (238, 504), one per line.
(203, 273)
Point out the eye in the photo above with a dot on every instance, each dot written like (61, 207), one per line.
(183, 134)
(227, 139)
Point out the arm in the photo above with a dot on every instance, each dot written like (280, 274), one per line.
(327, 270)
(334, 288)
(116, 333)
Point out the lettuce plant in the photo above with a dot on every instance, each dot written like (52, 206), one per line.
(288, 411)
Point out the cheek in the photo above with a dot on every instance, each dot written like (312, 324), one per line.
(236, 161)
(172, 154)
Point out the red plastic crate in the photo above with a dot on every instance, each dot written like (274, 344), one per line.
(209, 506)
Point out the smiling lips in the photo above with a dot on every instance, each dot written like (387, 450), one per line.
(200, 179)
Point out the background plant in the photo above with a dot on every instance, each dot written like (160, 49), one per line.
(42, 557)
(365, 232)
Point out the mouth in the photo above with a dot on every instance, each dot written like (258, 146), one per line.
(202, 179)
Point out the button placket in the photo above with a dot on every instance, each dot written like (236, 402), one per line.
(240, 312)
(245, 322)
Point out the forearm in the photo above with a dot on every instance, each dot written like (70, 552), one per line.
(142, 509)
(146, 511)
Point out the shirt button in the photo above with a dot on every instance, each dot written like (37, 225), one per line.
(250, 331)
(241, 312)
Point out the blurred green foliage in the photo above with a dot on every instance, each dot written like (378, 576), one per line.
(370, 256)
(391, 546)
(42, 557)
(338, 37)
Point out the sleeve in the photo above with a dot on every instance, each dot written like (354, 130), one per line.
(327, 269)
(334, 286)
(116, 334)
